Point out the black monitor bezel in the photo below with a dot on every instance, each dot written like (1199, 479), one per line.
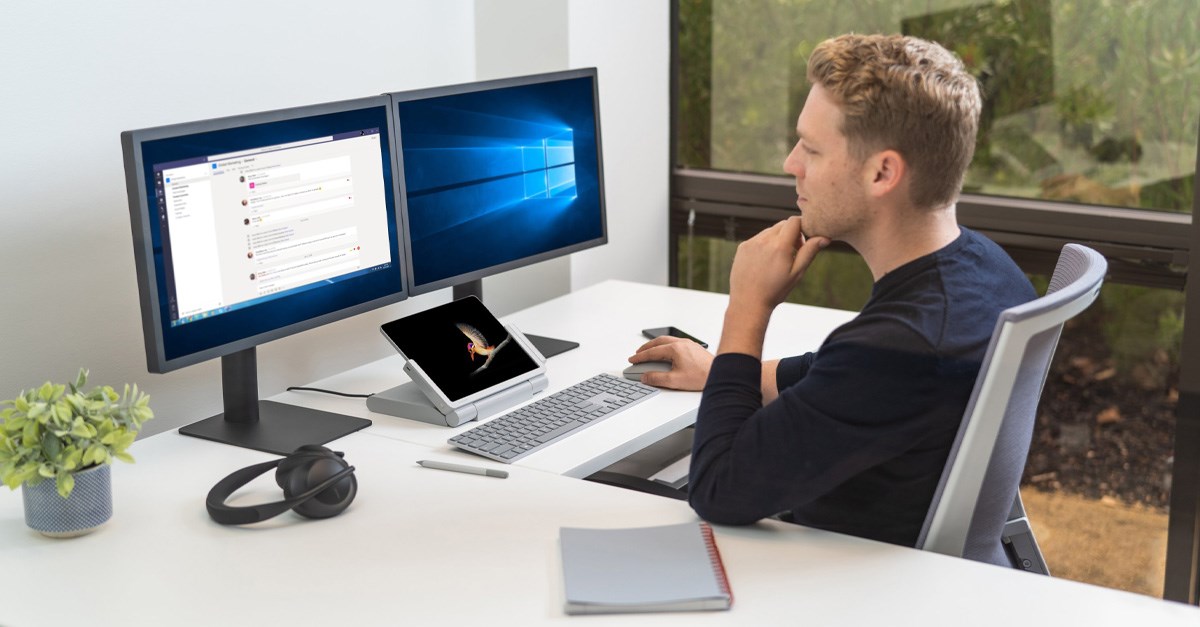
(502, 83)
(141, 222)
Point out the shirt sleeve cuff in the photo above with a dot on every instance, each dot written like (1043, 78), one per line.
(737, 368)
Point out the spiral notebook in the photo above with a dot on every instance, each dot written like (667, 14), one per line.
(645, 569)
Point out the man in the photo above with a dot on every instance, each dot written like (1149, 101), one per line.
(853, 438)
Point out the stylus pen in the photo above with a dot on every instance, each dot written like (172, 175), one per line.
(472, 470)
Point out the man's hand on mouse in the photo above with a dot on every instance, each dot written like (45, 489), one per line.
(690, 363)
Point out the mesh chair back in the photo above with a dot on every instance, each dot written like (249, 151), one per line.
(980, 482)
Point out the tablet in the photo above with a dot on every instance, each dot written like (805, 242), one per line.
(459, 352)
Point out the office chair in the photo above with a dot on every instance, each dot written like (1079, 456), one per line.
(976, 511)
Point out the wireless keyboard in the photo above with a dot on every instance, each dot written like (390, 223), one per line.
(527, 429)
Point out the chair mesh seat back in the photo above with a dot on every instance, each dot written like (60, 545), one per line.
(980, 482)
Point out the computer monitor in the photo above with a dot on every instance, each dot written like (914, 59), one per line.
(498, 175)
(250, 228)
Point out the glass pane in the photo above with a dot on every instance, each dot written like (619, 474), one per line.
(1097, 483)
(1085, 100)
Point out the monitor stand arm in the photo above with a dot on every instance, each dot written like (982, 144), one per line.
(266, 426)
(547, 346)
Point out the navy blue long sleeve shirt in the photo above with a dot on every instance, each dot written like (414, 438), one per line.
(860, 432)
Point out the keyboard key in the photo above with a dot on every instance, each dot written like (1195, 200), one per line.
(570, 426)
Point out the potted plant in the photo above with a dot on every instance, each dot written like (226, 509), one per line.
(58, 446)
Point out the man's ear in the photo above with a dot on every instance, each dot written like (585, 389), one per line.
(885, 172)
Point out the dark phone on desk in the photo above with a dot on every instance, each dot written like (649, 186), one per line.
(673, 332)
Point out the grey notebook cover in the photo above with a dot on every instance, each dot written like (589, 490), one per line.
(645, 569)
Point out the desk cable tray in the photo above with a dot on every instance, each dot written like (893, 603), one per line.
(527, 429)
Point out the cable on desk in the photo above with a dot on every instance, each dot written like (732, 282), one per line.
(304, 389)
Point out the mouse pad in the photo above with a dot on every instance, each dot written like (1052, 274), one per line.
(461, 346)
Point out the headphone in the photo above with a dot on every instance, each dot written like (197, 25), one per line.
(316, 482)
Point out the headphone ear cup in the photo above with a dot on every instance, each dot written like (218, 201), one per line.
(312, 472)
(297, 460)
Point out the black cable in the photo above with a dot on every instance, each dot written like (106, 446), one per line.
(303, 389)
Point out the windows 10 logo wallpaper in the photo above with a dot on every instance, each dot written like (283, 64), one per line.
(499, 175)
(549, 167)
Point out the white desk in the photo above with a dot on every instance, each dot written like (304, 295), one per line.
(606, 320)
(427, 547)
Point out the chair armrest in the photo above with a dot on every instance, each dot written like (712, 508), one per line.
(1022, 547)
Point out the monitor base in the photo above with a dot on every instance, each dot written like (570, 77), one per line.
(280, 429)
(549, 346)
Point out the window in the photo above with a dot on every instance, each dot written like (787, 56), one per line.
(1088, 134)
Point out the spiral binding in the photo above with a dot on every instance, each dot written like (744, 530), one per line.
(714, 556)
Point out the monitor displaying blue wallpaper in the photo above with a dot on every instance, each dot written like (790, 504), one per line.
(250, 228)
(499, 174)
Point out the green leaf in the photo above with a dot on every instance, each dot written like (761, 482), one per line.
(125, 441)
(21, 404)
(80, 380)
(12, 479)
(72, 457)
(59, 413)
(95, 455)
(65, 483)
(80, 429)
(51, 445)
(28, 472)
(123, 456)
(35, 410)
(29, 436)
(46, 470)
(46, 392)
(15, 423)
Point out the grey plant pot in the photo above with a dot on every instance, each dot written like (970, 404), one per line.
(88, 507)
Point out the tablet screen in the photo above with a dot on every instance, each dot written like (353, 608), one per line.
(461, 346)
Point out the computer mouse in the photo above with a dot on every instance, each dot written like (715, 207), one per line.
(635, 371)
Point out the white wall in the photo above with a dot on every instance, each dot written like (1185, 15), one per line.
(514, 38)
(629, 42)
(78, 73)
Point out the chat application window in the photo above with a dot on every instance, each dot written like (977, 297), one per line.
(258, 224)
